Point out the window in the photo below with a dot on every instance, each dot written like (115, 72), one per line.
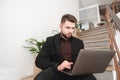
(89, 14)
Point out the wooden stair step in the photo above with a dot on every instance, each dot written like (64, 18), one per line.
(100, 47)
(95, 29)
(95, 37)
(110, 68)
(99, 44)
(91, 31)
(93, 34)
(95, 41)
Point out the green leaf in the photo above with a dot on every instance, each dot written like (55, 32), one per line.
(35, 45)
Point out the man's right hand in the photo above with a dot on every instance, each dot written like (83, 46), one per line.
(64, 65)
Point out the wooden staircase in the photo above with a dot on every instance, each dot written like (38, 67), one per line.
(98, 38)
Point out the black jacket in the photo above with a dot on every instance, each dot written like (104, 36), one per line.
(50, 56)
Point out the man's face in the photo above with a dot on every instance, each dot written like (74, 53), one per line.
(67, 28)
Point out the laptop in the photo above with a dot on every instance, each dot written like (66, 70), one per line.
(91, 61)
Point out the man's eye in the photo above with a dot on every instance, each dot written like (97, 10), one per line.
(73, 28)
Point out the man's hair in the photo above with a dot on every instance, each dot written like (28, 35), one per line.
(68, 17)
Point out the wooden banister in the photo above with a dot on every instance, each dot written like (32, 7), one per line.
(110, 15)
(117, 21)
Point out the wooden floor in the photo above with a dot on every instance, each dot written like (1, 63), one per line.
(29, 78)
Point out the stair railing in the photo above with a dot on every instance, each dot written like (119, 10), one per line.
(111, 16)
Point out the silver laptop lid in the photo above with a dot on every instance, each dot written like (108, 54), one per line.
(92, 61)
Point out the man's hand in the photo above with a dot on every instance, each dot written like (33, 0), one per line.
(64, 65)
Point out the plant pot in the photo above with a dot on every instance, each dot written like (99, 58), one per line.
(36, 69)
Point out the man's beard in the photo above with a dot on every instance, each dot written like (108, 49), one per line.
(67, 37)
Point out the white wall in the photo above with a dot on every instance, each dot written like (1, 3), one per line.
(23, 19)
(117, 36)
(118, 33)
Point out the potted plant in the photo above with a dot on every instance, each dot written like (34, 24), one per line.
(34, 46)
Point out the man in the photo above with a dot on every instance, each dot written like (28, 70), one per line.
(60, 52)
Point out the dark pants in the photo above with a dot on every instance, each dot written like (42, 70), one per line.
(50, 74)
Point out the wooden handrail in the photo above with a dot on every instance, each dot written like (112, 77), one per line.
(109, 14)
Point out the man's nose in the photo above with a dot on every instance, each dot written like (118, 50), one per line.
(71, 30)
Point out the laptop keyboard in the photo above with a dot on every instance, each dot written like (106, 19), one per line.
(68, 70)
